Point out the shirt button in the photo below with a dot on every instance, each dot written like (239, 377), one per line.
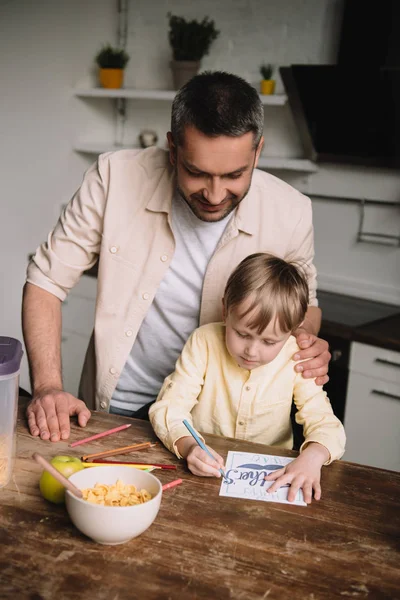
(247, 388)
(241, 422)
(164, 258)
(113, 370)
(113, 249)
(128, 333)
(103, 405)
(145, 296)
(170, 384)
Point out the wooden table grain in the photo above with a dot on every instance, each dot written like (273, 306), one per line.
(202, 546)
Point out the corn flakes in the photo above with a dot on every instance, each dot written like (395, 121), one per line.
(117, 494)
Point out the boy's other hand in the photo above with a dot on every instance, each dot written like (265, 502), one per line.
(49, 411)
(303, 472)
(315, 349)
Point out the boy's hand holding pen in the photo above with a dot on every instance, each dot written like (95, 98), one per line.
(206, 463)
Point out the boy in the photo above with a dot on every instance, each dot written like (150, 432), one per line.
(237, 379)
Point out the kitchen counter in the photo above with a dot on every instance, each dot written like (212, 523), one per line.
(360, 320)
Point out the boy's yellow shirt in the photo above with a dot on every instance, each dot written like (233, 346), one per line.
(217, 396)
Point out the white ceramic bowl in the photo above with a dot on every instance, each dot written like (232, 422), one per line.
(113, 524)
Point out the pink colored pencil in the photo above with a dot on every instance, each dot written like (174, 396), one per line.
(100, 435)
(171, 484)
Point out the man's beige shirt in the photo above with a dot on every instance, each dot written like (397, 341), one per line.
(121, 216)
(217, 396)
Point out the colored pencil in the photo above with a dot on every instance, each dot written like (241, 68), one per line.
(106, 464)
(100, 435)
(123, 450)
(171, 484)
(117, 462)
(201, 443)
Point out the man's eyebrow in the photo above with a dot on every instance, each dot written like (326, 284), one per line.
(194, 168)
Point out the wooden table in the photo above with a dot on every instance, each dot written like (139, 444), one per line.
(201, 545)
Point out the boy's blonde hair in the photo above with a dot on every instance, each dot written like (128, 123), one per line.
(278, 289)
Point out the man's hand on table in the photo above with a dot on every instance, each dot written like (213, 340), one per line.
(49, 412)
(315, 349)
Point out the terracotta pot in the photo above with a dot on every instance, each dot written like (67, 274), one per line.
(111, 78)
(267, 86)
(183, 71)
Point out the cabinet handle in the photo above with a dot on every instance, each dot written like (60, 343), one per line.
(385, 394)
(388, 363)
(336, 354)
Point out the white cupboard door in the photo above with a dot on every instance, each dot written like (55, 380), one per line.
(78, 315)
(73, 351)
(372, 422)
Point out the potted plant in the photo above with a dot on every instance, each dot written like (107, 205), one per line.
(111, 62)
(190, 41)
(267, 85)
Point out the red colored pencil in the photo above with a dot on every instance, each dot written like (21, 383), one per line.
(117, 462)
(171, 484)
(100, 435)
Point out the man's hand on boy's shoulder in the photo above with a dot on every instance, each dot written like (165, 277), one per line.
(317, 351)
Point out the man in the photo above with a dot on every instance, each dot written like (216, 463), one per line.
(167, 230)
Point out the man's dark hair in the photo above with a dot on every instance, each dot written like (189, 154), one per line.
(217, 103)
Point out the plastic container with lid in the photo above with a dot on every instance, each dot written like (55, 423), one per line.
(10, 363)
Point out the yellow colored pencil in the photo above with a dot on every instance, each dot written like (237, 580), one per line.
(140, 467)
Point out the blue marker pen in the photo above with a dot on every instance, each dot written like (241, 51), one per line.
(200, 443)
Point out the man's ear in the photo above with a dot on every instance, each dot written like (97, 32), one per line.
(172, 149)
(258, 151)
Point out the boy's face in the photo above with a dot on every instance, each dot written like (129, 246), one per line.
(246, 346)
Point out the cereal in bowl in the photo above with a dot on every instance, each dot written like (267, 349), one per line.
(117, 494)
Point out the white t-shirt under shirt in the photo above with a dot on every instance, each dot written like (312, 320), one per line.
(174, 312)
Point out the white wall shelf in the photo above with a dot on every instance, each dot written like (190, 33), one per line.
(265, 162)
(287, 164)
(94, 148)
(100, 147)
(271, 100)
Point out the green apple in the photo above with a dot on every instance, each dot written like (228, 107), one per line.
(50, 488)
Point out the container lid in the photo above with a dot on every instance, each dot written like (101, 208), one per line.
(10, 355)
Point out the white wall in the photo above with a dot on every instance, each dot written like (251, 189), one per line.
(47, 48)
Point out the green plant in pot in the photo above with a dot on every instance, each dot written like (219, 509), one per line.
(267, 85)
(112, 62)
(190, 41)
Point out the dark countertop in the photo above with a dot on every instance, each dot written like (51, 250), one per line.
(360, 320)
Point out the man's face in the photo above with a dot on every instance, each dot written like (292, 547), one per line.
(213, 173)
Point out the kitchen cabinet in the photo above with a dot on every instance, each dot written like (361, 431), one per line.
(372, 417)
(77, 326)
